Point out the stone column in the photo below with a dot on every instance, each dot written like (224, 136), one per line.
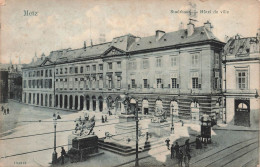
(97, 106)
(105, 105)
(84, 103)
(35, 99)
(73, 104)
(63, 101)
(78, 102)
(58, 102)
(40, 99)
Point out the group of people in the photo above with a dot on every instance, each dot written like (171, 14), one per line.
(182, 153)
(104, 119)
(5, 111)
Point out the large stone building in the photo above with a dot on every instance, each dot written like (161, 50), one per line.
(178, 71)
(241, 66)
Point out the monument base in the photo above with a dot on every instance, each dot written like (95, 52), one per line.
(82, 146)
(158, 129)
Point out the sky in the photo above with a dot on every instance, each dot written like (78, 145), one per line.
(62, 24)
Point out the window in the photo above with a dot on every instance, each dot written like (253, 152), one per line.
(88, 68)
(50, 73)
(76, 79)
(118, 82)
(158, 62)
(118, 65)
(145, 83)
(71, 70)
(41, 73)
(132, 65)
(100, 67)
(94, 67)
(110, 67)
(216, 59)
(46, 73)
(81, 69)
(173, 61)
(242, 79)
(159, 83)
(24, 84)
(174, 82)
(215, 83)
(61, 72)
(133, 83)
(195, 59)
(195, 83)
(66, 70)
(109, 82)
(76, 70)
(145, 63)
(57, 71)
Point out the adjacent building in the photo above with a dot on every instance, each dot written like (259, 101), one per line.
(241, 80)
(179, 72)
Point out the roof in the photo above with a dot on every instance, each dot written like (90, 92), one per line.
(238, 45)
(128, 43)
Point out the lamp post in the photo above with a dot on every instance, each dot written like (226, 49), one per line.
(54, 154)
(172, 128)
(136, 148)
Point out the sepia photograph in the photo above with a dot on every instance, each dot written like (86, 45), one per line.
(126, 83)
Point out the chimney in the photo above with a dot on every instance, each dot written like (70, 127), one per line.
(159, 34)
(190, 28)
(181, 26)
(208, 26)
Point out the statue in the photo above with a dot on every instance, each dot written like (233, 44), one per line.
(159, 116)
(84, 127)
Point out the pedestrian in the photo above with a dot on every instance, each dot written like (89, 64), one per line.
(177, 148)
(167, 141)
(63, 153)
(4, 111)
(147, 136)
(186, 160)
(172, 151)
(180, 158)
(2, 108)
(105, 118)
(7, 110)
(86, 116)
(187, 145)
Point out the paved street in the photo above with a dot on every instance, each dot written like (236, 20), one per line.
(39, 151)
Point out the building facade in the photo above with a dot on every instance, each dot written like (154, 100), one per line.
(241, 68)
(179, 72)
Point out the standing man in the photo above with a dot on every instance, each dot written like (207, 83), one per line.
(172, 151)
(177, 148)
(168, 143)
(180, 158)
(7, 110)
(187, 145)
(63, 153)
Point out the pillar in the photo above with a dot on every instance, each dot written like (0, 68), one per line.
(97, 105)
(73, 100)
(105, 104)
(40, 99)
(63, 101)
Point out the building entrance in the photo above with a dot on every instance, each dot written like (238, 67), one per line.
(242, 113)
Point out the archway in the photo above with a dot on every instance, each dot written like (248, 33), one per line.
(94, 103)
(65, 101)
(61, 101)
(87, 102)
(70, 102)
(46, 100)
(145, 107)
(81, 103)
(38, 98)
(109, 102)
(242, 113)
(50, 100)
(41, 99)
(100, 103)
(158, 105)
(76, 102)
(132, 105)
(174, 108)
(195, 111)
(56, 100)
(118, 104)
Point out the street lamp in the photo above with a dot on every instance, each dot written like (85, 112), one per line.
(54, 154)
(136, 148)
(172, 128)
